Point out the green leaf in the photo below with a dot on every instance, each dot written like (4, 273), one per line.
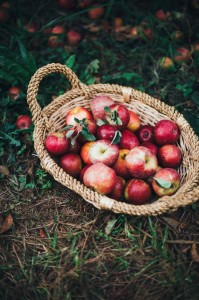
(70, 61)
(87, 135)
(100, 122)
(107, 109)
(69, 133)
(117, 137)
(74, 140)
(118, 121)
(163, 183)
(67, 127)
(77, 120)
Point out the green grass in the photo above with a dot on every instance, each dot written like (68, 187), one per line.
(61, 247)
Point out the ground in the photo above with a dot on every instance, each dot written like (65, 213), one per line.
(55, 245)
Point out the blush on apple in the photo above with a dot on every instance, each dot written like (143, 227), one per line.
(166, 182)
(96, 177)
(117, 191)
(57, 143)
(14, 92)
(166, 132)
(141, 163)
(23, 122)
(137, 191)
(56, 40)
(161, 15)
(73, 37)
(79, 113)
(120, 166)
(183, 55)
(151, 146)
(83, 171)
(104, 152)
(97, 105)
(118, 116)
(134, 122)
(84, 152)
(71, 163)
(96, 13)
(146, 133)
(106, 132)
(128, 140)
(169, 156)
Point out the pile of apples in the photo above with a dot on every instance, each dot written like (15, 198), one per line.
(108, 149)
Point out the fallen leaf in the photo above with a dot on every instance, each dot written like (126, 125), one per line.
(194, 253)
(7, 224)
(41, 233)
(109, 226)
(4, 171)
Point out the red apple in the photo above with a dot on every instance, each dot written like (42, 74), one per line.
(14, 92)
(152, 147)
(161, 15)
(32, 28)
(96, 13)
(166, 182)
(148, 33)
(57, 143)
(106, 132)
(23, 122)
(73, 37)
(183, 55)
(120, 166)
(79, 113)
(137, 191)
(92, 128)
(104, 152)
(135, 32)
(67, 4)
(76, 147)
(166, 132)
(97, 106)
(84, 152)
(83, 171)
(71, 163)
(140, 162)
(56, 40)
(134, 122)
(146, 133)
(166, 63)
(96, 177)
(117, 191)
(128, 140)
(169, 156)
(121, 121)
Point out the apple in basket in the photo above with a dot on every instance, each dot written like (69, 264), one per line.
(120, 166)
(84, 152)
(151, 146)
(128, 140)
(57, 143)
(117, 115)
(79, 113)
(106, 132)
(97, 105)
(169, 156)
(166, 132)
(96, 13)
(166, 182)
(137, 191)
(134, 121)
(71, 163)
(146, 133)
(104, 152)
(96, 177)
(140, 162)
(117, 191)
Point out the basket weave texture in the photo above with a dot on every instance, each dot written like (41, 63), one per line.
(150, 111)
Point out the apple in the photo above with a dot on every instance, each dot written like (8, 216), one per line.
(117, 191)
(166, 182)
(67, 4)
(135, 32)
(137, 191)
(140, 162)
(57, 143)
(76, 147)
(150, 178)
(120, 166)
(183, 55)
(166, 63)
(134, 122)
(128, 140)
(96, 13)
(84, 152)
(32, 28)
(146, 133)
(151, 146)
(79, 113)
(14, 92)
(56, 40)
(169, 156)
(161, 15)
(83, 171)
(166, 132)
(97, 106)
(71, 163)
(104, 152)
(148, 33)
(100, 177)
(117, 22)
(118, 116)
(106, 132)
(23, 122)
(92, 128)
(73, 37)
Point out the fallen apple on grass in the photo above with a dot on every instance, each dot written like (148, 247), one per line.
(14, 92)
(73, 37)
(23, 122)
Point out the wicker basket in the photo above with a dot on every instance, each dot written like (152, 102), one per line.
(150, 110)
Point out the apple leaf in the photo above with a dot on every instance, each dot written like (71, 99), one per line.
(74, 140)
(107, 109)
(100, 122)
(77, 120)
(119, 121)
(116, 138)
(163, 183)
(87, 135)
(69, 133)
(67, 127)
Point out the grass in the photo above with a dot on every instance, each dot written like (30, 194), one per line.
(59, 246)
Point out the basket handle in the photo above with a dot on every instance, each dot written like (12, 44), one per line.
(35, 81)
